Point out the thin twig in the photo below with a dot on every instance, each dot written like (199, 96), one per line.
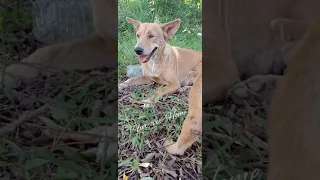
(27, 117)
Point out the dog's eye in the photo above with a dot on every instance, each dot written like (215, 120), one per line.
(150, 36)
(138, 36)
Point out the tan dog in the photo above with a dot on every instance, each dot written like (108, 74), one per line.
(162, 63)
(220, 74)
(220, 70)
(294, 116)
(247, 41)
(98, 49)
(192, 125)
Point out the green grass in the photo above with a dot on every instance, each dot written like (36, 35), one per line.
(139, 122)
(13, 18)
(233, 144)
(143, 131)
(235, 154)
(189, 12)
(55, 158)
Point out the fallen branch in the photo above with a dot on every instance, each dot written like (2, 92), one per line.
(25, 118)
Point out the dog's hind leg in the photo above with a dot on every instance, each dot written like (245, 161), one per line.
(192, 125)
(294, 118)
(190, 132)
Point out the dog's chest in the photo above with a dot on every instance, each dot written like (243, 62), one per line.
(152, 69)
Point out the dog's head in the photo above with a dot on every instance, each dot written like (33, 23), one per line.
(152, 36)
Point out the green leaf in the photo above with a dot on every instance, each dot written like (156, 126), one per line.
(48, 122)
(34, 163)
(16, 148)
(5, 164)
(63, 173)
(134, 142)
(251, 145)
(70, 165)
(261, 121)
(8, 93)
(135, 164)
(125, 162)
(58, 113)
(70, 104)
(82, 91)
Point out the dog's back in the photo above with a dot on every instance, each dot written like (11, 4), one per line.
(185, 59)
(294, 116)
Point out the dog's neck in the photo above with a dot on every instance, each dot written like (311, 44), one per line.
(160, 57)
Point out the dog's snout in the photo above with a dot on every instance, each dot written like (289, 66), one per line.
(138, 50)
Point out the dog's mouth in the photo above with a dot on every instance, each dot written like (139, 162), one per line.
(146, 58)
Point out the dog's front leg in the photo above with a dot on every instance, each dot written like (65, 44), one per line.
(170, 88)
(135, 81)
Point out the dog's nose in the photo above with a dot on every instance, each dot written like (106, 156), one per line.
(138, 50)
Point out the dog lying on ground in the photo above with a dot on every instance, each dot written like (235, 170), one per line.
(161, 62)
(98, 49)
(222, 68)
(294, 118)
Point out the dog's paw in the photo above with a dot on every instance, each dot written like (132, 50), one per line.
(122, 86)
(9, 78)
(172, 148)
(147, 103)
(8, 81)
(19, 72)
(254, 90)
(184, 89)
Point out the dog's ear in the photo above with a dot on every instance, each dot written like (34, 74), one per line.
(135, 23)
(170, 28)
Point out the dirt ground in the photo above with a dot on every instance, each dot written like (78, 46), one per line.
(234, 134)
(234, 140)
(162, 165)
(78, 101)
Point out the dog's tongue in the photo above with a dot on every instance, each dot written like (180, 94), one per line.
(143, 58)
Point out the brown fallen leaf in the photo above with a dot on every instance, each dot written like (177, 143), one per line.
(148, 157)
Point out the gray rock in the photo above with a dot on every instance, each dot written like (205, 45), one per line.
(134, 70)
(62, 20)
